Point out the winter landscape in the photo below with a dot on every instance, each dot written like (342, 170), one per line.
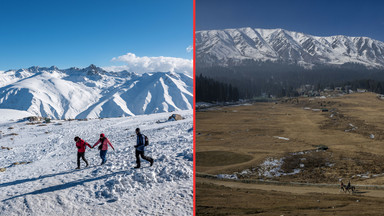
(96, 71)
(38, 175)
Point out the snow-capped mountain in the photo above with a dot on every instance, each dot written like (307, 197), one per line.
(235, 45)
(93, 92)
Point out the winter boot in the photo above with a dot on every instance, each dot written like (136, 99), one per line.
(151, 162)
(137, 166)
(77, 167)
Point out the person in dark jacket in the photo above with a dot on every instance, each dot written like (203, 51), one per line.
(103, 147)
(80, 144)
(140, 143)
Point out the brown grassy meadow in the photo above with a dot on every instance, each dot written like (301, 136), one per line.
(327, 139)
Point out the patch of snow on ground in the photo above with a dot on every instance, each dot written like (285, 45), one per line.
(282, 138)
(365, 175)
(227, 176)
(203, 105)
(272, 168)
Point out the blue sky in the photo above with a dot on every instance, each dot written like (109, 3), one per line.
(316, 17)
(82, 32)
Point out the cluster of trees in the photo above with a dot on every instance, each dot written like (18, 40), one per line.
(209, 90)
(368, 84)
(255, 79)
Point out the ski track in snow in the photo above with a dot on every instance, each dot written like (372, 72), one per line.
(50, 185)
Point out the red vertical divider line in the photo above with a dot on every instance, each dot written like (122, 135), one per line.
(194, 108)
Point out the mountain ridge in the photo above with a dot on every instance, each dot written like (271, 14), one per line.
(233, 46)
(92, 92)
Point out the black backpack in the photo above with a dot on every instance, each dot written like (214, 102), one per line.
(101, 145)
(146, 142)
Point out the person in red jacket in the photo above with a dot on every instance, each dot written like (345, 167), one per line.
(80, 144)
(103, 147)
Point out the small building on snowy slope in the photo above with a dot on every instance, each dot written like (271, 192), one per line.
(175, 117)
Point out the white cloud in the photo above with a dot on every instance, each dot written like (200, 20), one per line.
(189, 48)
(152, 64)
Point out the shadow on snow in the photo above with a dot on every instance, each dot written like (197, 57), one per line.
(65, 185)
(57, 187)
(37, 178)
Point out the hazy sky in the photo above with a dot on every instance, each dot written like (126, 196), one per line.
(80, 32)
(316, 17)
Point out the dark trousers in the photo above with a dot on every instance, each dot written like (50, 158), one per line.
(81, 155)
(141, 153)
(103, 155)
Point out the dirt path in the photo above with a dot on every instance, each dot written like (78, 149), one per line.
(291, 188)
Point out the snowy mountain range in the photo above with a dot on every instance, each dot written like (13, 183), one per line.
(93, 92)
(233, 46)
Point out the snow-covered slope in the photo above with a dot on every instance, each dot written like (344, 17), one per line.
(235, 45)
(12, 115)
(93, 92)
(50, 185)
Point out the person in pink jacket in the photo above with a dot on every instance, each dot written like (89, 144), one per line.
(104, 141)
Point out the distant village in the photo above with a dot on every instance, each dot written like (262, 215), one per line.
(309, 91)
